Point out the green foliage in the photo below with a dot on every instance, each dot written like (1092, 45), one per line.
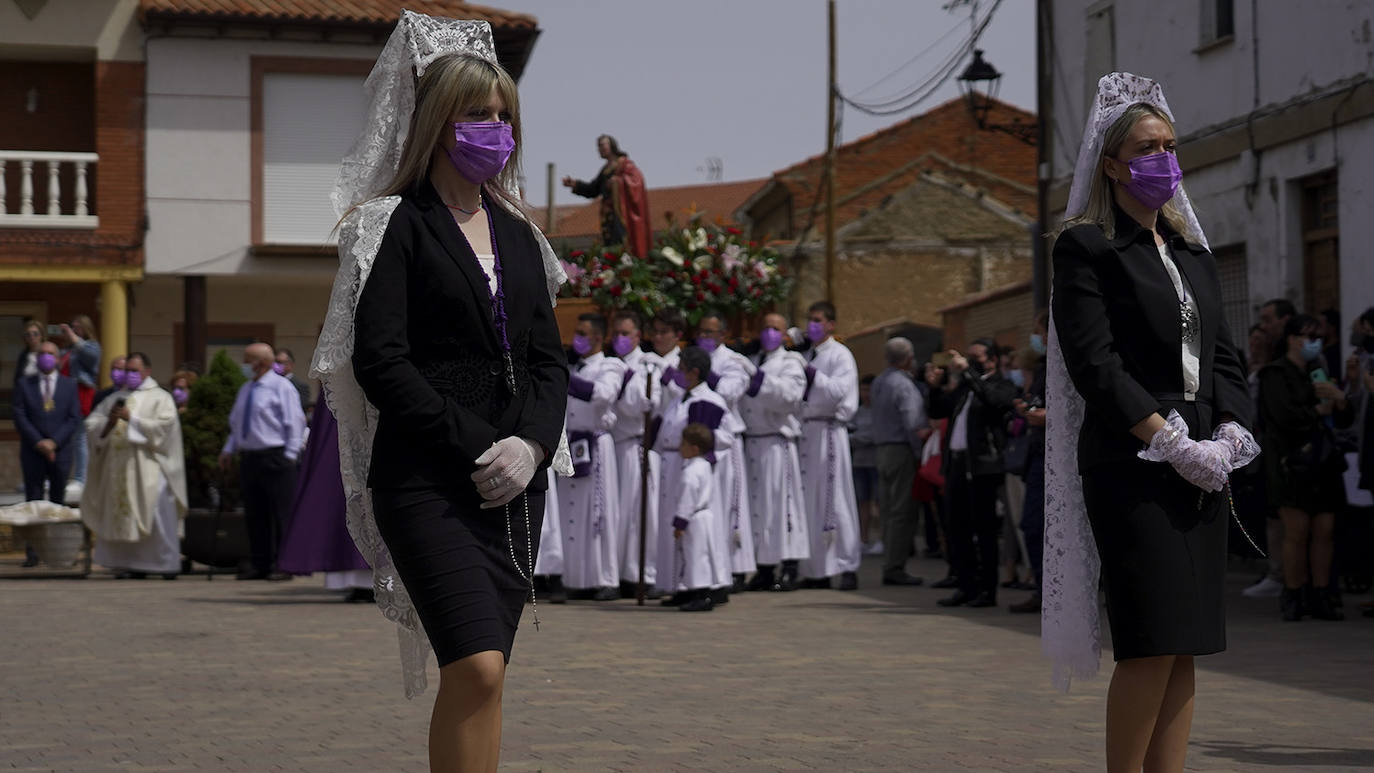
(205, 427)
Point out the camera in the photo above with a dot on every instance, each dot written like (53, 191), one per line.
(54, 331)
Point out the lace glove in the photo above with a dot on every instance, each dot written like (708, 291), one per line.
(1239, 442)
(505, 469)
(1204, 464)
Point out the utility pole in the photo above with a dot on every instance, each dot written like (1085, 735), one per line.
(1044, 105)
(830, 92)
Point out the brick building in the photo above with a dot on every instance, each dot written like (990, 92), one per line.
(927, 212)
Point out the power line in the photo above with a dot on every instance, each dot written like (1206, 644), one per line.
(910, 61)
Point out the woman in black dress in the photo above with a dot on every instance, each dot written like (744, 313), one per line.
(1138, 316)
(456, 350)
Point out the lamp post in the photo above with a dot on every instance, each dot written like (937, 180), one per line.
(978, 77)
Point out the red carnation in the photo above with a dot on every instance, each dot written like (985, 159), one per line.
(734, 283)
(608, 255)
(577, 253)
(733, 230)
(596, 283)
(701, 296)
(615, 291)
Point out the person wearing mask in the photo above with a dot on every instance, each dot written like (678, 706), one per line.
(771, 410)
(977, 400)
(729, 378)
(899, 415)
(117, 376)
(284, 365)
(80, 360)
(180, 387)
(47, 415)
(832, 397)
(1304, 467)
(137, 493)
(1032, 409)
(266, 432)
(588, 507)
(633, 404)
(863, 455)
(26, 363)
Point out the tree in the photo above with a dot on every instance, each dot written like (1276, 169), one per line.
(205, 427)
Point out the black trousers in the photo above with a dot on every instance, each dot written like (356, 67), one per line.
(268, 481)
(37, 469)
(971, 504)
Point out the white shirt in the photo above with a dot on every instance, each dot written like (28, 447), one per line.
(47, 386)
(1191, 351)
(488, 262)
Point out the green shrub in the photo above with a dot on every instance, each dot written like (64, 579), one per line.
(205, 427)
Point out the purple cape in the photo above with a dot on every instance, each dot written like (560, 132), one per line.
(317, 538)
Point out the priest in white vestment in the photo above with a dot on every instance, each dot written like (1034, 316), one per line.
(832, 399)
(135, 495)
(771, 409)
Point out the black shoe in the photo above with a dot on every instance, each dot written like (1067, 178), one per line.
(720, 596)
(169, 575)
(788, 582)
(652, 594)
(361, 595)
(676, 600)
(557, 593)
(983, 599)
(813, 584)
(581, 594)
(1029, 606)
(279, 577)
(950, 581)
(698, 604)
(131, 576)
(849, 581)
(902, 579)
(251, 574)
(1290, 604)
(959, 599)
(763, 580)
(1323, 605)
(606, 594)
(739, 585)
(629, 590)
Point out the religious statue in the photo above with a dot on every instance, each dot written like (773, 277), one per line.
(624, 202)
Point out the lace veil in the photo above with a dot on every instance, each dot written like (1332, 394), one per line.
(1070, 626)
(369, 166)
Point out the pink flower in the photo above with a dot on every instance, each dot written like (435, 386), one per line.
(573, 271)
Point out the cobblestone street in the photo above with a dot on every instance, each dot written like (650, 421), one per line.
(103, 675)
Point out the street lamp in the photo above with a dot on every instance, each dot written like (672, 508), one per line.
(979, 75)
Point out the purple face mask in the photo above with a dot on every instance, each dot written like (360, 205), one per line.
(180, 396)
(582, 345)
(770, 339)
(622, 345)
(47, 363)
(707, 345)
(279, 369)
(1154, 179)
(133, 380)
(481, 149)
(815, 331)
(117, 375)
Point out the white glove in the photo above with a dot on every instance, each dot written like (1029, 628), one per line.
(1239, 442)
(1205, 464)
(505, 469)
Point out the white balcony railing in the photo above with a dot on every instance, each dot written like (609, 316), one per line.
(17, 208)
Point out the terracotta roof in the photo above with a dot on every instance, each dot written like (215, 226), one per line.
(714, 200)
(360, 12)
(875, 166)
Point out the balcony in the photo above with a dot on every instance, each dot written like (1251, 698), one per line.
(41, 189)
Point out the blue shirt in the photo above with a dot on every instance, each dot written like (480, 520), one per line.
(267, 414)
(898, 410)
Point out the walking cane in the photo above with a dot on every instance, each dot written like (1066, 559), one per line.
(641, 592)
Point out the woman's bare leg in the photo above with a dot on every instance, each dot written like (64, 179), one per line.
(1323, 546)
(465, 729)
(1169, 744)
(1133, 703)
(1295, 528)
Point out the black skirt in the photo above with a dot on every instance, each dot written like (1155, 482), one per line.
(455, 561)
(1163, 547)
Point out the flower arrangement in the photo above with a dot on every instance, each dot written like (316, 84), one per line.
(696, 268)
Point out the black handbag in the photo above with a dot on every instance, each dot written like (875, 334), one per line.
(1319, 454)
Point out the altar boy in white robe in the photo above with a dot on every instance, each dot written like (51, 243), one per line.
(693, 542)
(588, 502)
(638, 392)
(135, 495)
(729, 378)
(549, 563)
(771, 407)
(687, 400)
(832, 398)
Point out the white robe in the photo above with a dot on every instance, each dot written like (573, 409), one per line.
(550, 559)
(693, 562)
(676, 409)
(135, 495)
(736, 535)
(827, 475)
(772, 427)
(589, 507)
(636, 398)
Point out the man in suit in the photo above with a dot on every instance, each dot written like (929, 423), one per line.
(47, 414)
(285, 366)
(976, 399)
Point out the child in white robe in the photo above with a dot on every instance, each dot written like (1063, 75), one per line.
(694, 524)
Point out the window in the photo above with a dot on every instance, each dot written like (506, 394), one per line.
(1235, 291)
(1321, 261)
(1218, 21)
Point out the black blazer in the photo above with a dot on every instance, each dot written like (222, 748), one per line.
(426, 351)
(1116, 315)
(993, 398)
(60, 424)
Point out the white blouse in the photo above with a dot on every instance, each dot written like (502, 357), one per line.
(1192, 350)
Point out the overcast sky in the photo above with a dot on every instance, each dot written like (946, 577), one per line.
(740, 80)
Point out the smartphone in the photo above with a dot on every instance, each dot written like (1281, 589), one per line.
(1319, 376)
(940, 359)
(54, 330)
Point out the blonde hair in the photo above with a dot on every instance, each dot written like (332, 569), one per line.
(1100, 209)
(455, 83)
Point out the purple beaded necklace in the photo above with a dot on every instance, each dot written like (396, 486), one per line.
(498, 298)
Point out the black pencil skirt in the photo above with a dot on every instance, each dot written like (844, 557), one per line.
(455, 561)
(1163, 547)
